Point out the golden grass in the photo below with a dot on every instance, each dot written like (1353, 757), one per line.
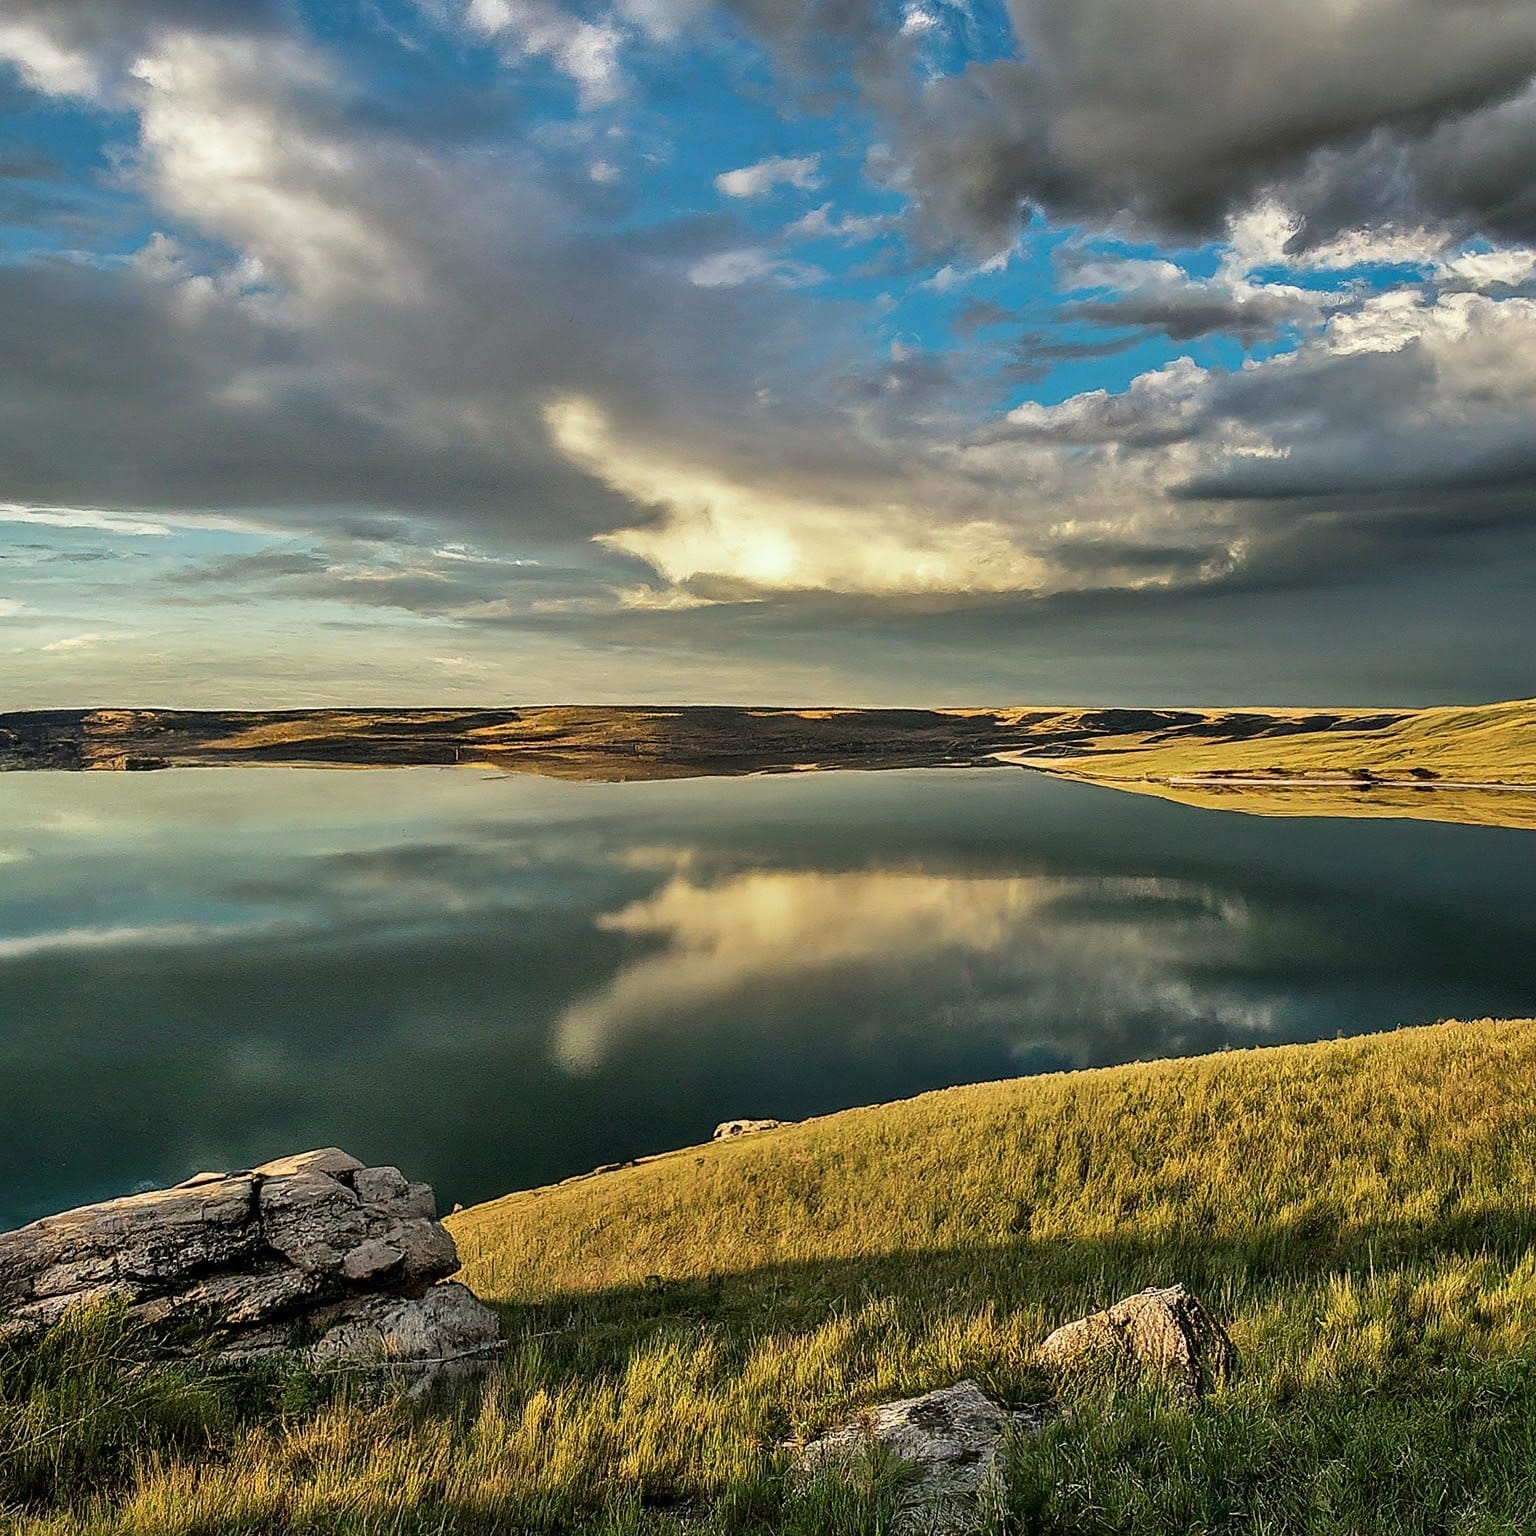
(1486, 743)
(1361, 1212)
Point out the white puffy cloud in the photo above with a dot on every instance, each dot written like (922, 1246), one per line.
(83, 642)
(750, 264)
(758, 180)
(1408, 388)
(848, 229)
(45, 63)
(219, 148)
(586, 52)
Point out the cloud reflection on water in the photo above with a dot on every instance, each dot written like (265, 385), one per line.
(1005, 955)
(500, 982)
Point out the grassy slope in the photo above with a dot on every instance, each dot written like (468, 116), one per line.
(1361, 1211)
(1492, 742)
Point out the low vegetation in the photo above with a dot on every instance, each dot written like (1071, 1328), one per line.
(1361, 1213)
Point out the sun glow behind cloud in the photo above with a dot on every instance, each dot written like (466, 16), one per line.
(713, 528)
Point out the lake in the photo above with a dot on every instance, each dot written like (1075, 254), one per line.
(496, 982)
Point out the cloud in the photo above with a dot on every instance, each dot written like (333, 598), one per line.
(1178, 112)
(72, 643)
(1433, 394)
(82, 517)
(751, 264)
(714, 528)
(1158, 297)
(586, 52)
(849, 229)
(425, 318)
(758, 180)
(384, 338)
(123, 936)
(83, 48)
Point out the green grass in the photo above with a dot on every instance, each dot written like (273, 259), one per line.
(1361, 1213)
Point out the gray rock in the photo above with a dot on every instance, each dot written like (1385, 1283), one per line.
(312, 1219)
(950, 1439)
(1163, 1330)
(144, 1242)
(378, 1186)
(331, 1160)
(427, 1253)
(440, 1336)
(240, 1298)
(313, 1245)
(727, 1129)
(371, 1259)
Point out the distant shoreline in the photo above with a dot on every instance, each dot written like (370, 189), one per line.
(614, 742)
(1475, 764)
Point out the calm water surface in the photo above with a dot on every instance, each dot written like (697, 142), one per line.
(495, 982)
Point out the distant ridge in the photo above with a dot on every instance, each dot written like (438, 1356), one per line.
(613, 742)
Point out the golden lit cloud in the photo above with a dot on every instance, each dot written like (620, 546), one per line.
(713, 527)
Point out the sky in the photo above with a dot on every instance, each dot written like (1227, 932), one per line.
(779, 351)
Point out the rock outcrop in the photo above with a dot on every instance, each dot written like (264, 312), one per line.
(951, 1441)
(729, 1128)
(1166, 1331)
(313, 1254)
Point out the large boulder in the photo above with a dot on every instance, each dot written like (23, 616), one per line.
(311, 1255)
(1162, 1330)
(950, 1441)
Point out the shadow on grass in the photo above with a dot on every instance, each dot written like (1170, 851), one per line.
(1058, 1278)
(1358, 1450)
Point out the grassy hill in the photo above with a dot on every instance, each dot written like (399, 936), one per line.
(1361, 1213)
(1401, 767)
(1483, 743)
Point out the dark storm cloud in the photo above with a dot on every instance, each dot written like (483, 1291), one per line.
(113, 395)
(1194, 311)
(1033, 355)
(110, 29)
(1176, 112)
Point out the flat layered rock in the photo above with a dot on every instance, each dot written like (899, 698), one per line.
(727, 1129)
(314, 1246)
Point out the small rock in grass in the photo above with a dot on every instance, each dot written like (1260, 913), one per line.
(949, 1439)
(729, 1128)
(1164, 1330)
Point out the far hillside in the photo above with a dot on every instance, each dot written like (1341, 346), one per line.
(1475, 764)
